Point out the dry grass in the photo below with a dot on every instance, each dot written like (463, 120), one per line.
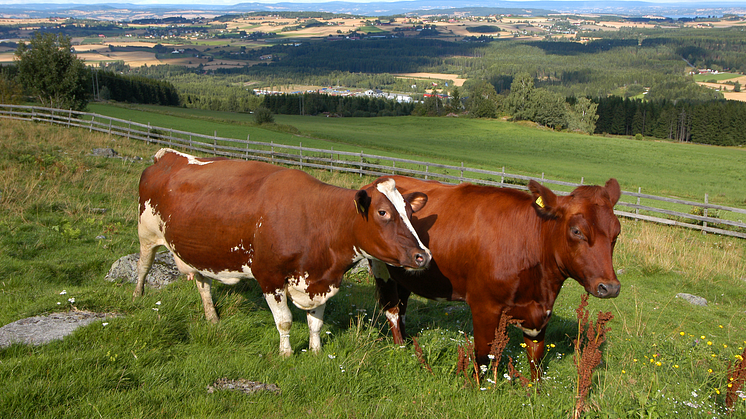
(656, 248)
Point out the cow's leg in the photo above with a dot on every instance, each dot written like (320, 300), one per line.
(535, 352)
(147, 256)
(387, 294)
(403, 301)
(315, 318)
(485, 323)
(204, 286)
(278, 304)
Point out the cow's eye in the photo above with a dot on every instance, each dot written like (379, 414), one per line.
(382, 213)
(577, 233)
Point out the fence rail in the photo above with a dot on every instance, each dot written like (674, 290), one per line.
(702, 216)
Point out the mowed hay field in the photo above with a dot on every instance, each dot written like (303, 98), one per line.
(664, 356)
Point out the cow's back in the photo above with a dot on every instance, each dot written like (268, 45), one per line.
(219, 214)
(466, 226)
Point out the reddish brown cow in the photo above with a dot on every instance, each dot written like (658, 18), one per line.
(503, 249)
(231, 220)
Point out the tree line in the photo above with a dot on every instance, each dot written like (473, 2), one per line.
(715, 122)
(317, 103)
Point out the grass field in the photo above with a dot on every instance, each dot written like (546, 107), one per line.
(659, 167)
(664, 357)
(718, 77)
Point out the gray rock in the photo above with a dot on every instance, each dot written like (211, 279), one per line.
(162, 273)
(39, 330)
(104, 152)
(694, 299)
(243, 385)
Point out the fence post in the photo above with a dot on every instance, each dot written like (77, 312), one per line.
(331, 160)
(704, 223)
(215, 143)
(110, 126)
(129, 129)
(272, 152)
(427, 170)
(69, 117)
(461, 178)
(393, 167)
(582, 179)
(149, 140)
(300, 144)
(361, 163)
(247, 147)
(502, 176)
(90, 127)
(637, 210)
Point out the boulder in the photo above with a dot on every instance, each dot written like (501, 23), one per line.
(162, 273)
(694, 299)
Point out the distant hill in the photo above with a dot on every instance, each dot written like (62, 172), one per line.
(129, 11)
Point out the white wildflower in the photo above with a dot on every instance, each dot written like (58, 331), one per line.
(332, 356)
(71, 300)
(63, 292)
(104, 324)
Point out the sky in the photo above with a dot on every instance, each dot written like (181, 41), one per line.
(231, 2)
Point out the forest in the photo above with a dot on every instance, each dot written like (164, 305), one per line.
(315, 103)
(715, 122)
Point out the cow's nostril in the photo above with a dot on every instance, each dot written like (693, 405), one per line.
(602, 290)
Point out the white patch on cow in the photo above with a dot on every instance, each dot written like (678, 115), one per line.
(190, 159)
(530, 332)
(393, 317)
(549, 313)
(297, 289)
(388, 189)
(150, 224)
(229, 277)
(379, 270)
(360, 254)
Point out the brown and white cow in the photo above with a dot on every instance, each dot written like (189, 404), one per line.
(231, 220)
(503, 249)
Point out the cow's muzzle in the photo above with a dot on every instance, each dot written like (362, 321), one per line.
(608, 289)
(421, 259)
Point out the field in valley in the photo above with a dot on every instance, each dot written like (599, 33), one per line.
(658, 167)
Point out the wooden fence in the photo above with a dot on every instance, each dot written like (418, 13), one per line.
(702, 216)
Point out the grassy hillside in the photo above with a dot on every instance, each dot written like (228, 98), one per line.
(664, 357)
(663, 168)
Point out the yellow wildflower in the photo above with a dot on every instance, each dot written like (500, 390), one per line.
(709, 343)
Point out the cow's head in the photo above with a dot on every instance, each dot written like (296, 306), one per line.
(585, 234)
(383, 228)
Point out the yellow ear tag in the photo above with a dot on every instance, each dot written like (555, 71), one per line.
(357, 207)
(540, 202)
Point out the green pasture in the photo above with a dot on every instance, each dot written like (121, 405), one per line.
(156, 358)
(718, 77)
(664, 168)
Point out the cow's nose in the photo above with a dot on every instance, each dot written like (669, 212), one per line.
(421, 259)
(608, 290)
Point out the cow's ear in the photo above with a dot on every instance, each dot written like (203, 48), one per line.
(362, 201)
(614, 191)
(416, 199)
(545, 201)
